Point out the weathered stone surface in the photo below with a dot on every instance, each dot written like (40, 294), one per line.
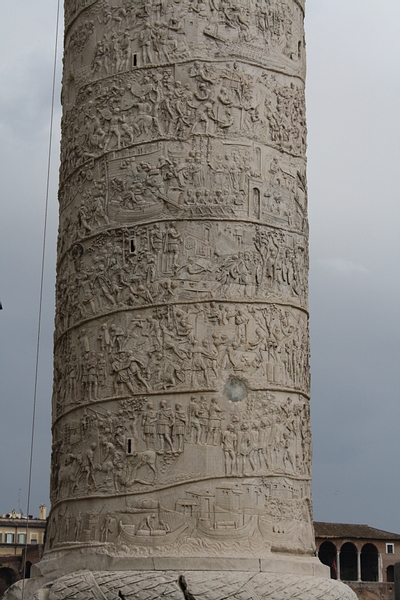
(211, 585)
(181, 427)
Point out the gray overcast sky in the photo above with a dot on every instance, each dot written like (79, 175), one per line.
(353, 96)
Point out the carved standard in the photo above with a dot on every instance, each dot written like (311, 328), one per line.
(181, 426)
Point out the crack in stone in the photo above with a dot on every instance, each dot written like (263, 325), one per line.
(183, 585)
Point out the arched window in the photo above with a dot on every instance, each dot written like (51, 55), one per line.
(327, 555)
(369, 563)
(28, 569)
(348, 562)
(390, 574)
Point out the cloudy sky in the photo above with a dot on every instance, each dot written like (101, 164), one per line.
(353, 97)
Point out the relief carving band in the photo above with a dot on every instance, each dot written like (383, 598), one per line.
(181, 422)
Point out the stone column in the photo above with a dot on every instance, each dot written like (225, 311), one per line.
(380, 567)
(181, 428)
(338, 564)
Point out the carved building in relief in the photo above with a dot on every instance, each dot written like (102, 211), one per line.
(181, 422)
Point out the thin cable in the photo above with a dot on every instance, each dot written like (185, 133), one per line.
(41, 292)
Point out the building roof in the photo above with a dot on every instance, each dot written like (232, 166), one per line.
(348, 530)
(21, 523)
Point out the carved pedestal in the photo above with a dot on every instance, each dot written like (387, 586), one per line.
(181, 428)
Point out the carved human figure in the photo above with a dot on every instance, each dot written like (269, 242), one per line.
(172, 244)
(288, 458)
(214, 423)
(106, 527)
(127, 367)
(263, 443)
(149, 423)
(146, 42)
(254, 457)
(229, 439)
(120, 367)
(165, 422)
(92, 376)
(78, 526)
(244, 446)
(117, 338)
(179, 428)
(114, 130)
(102, 283)
(88, 466)
(203, 418)
(72, 378)
(194, 422)
(119, 470)
(197, 353)
(148, 523)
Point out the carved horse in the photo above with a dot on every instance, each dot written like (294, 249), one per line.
(141, 459)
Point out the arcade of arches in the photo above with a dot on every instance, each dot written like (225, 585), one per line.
(348, 563)
(362, 556)
(12, 570)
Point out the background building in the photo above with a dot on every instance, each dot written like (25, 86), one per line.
(21, 545)
(362, 556)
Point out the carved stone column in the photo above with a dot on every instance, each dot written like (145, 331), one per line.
(181, 429)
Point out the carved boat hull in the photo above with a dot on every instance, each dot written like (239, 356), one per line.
(137, 214)
(227, 534)
(151, 540)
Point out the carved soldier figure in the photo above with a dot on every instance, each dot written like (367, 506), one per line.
(172, 243)
(180, 423)
(146, 41)
(104, 338)
(149, 421)
(203, 417)
(165, 422)
(214, 423)
(194, 423)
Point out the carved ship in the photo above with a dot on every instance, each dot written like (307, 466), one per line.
(150, 538)
(126, 215)
(230, 533)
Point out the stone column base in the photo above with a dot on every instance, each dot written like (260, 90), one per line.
(183, 585)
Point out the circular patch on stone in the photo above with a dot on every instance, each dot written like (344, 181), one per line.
(235, 390)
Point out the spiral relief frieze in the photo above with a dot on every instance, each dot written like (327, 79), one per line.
(181, 419)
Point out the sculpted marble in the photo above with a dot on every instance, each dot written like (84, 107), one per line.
(181, 425)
